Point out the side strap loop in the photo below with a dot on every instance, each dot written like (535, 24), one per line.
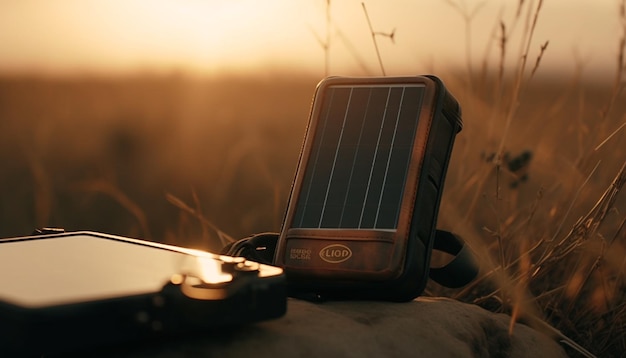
(462, 269)
(259, 247)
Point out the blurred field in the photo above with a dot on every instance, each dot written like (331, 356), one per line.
(101, 154)
(104, 154)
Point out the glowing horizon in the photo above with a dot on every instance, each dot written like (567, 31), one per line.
(91, 36)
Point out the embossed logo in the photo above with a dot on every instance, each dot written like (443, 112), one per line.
(335, 253)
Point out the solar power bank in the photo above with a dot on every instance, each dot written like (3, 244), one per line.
(78, 291)
(363, 208)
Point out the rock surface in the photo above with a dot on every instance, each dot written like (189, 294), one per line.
(426, 327)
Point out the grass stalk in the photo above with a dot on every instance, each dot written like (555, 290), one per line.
(373, 34)
(223, 237)
(104, 187)
(468, 17)
(327, 41)
(518, 84)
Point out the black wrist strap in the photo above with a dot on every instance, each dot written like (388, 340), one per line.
(460, 271)
(259, 248)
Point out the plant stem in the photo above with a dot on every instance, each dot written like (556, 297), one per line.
(369, 23)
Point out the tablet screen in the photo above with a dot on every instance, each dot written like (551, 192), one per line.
(49, 271)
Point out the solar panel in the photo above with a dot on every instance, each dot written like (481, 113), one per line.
(360, 156)
(364, 202)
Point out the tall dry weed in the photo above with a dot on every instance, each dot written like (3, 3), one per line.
(548, 229)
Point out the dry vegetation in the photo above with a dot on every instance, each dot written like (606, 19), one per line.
(112, 155)
(103, 154)
(543, 208)
(534, 184)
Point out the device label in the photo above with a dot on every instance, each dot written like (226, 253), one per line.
(335, 253)
(300, 254)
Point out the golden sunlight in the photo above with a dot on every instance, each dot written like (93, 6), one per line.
(80, 35)
(69, 36)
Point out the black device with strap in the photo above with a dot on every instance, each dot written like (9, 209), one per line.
(362, 214)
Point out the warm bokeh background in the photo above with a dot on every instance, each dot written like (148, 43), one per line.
(152, 118)
(216, 36)
(101, 154)
(107, 106)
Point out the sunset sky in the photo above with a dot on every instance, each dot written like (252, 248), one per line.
(213, 36)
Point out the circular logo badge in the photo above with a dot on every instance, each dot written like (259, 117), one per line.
(335, 253)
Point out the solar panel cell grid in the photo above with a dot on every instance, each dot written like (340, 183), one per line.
(359, 158)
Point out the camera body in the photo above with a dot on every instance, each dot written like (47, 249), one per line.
(363, 209)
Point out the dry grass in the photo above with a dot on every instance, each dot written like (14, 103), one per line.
(123, 155)
(183, 161)
(544, 208)
(535, 184)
